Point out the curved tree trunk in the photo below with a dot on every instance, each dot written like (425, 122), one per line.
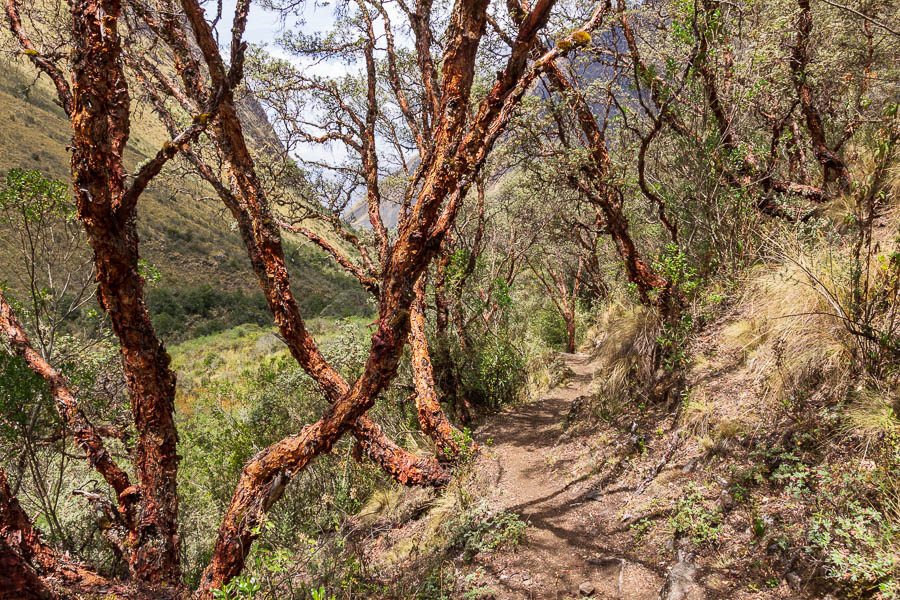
(99, 108)
(428, 408)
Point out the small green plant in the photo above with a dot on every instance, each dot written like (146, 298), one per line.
(672, 264)
(641, 528)
(692, 517)
(239, 588)
(320, 594)
(467, 446)
(484, 532)
(673, 341)
(859, 547)
(796, 476)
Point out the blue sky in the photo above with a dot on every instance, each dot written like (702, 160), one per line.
(265, 27)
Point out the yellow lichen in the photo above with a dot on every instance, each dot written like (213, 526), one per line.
(566, 44)
(582, 38)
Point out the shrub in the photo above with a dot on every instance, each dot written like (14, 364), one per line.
(184, 313)
(481, 531)
(858, 546)
(552, 329)
(493, 374)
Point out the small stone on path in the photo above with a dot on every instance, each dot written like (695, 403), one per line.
(679, 581)
(586, 589)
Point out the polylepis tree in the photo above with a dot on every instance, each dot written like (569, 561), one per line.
(94, 84)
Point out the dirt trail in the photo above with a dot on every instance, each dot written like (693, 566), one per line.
(576, 536)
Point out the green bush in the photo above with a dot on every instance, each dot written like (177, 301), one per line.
(482, 531)
(179, 314)
(858, 547)
(692, 517)
(493, 374)
(552, 329)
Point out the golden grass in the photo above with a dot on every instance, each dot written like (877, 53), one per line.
(712, 422)
(383, 504)
(743, 336)
(433, 530)
(872, 414)
(800, 336)
(624, 348)
(794, 337)
(545, 371)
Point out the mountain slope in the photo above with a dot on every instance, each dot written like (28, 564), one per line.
(185, 232)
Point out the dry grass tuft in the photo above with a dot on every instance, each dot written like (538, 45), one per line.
(383, 504)
(872, 415)
(801, 340)
(624, 348)
(742, 336)
(545, 371)
(432, 531)
(713, 424)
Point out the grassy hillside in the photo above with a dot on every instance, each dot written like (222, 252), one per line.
(205, 282)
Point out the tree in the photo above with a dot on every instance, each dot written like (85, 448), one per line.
(563, 289)
(56, 291)
(462, 132)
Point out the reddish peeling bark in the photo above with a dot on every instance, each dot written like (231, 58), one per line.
(597, 188)
(261, 237)
(832, 165)
(100, 121)
(428, 408)
(86, 436)
(369, 283)
(750, 170)
(432, 418)
(257, 230)
(293, 454)
(370, 154)
(30, 569)
(606, 198)
(100, 116)
(22, 554)
(250, 209)
(408, 259)
(43, 63)
(98, 106)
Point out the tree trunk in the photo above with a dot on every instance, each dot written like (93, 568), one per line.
(428, 408)
(100, 120)
(570, 334)
(832, 165)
